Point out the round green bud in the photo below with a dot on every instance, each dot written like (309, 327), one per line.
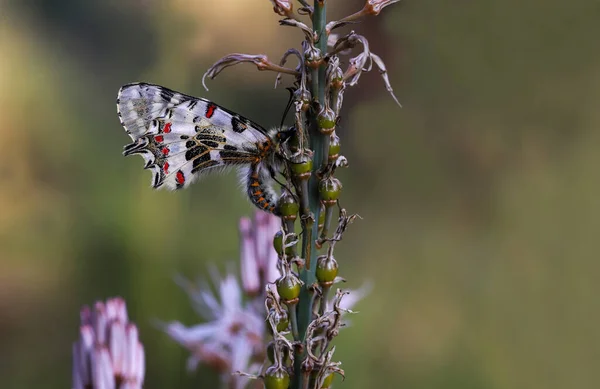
(276, 378)
(278, 242)
(334, 147)
(302, 169)
(330, 189)
(326, 120)
(288, 207)
(288, 287)
(327, 269)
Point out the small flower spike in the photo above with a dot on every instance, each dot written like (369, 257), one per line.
(108, 354)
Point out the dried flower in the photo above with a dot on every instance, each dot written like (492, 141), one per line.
(283, 8)
(108, 354)
(374, 7)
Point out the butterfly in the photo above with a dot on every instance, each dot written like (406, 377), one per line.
(182, 137)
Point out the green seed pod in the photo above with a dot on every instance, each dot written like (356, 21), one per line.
(302, 169)
(276, 378)
(334, 147)
(327, 269)
(288, 207)
(326, 120)
(278, 242)
(330, 189)
(288, 288)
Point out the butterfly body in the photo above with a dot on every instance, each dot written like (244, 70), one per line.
(182, 137)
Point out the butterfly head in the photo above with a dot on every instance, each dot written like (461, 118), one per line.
(282, 135)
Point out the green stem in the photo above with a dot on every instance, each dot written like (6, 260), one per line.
(317, 142)
(294, 320)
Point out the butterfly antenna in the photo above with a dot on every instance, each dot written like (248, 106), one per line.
(288, 106)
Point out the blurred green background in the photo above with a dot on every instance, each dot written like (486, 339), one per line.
(480, 197)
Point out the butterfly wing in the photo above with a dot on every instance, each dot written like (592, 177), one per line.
(181, 137)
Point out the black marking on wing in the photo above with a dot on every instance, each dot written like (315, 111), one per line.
(239, 124)
(166, 93)
(196, 151)
(202, 162)
(208, 137)
(210, 143)
(225, 154)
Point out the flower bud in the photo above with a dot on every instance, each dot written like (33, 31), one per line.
(288, 288)
(288, 207)
(326, 120)
(330, 189)
(302, 169)
(327, 269)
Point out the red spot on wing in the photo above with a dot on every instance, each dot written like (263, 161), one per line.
(210, 110)
(159, 138)
(165, 150)
(166, 167)
(167, 128)
(180, 177)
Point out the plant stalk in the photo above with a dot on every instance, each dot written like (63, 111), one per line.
(317, 142)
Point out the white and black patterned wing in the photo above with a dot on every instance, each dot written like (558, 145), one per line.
(180, 136)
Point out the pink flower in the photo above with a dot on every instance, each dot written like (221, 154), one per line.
(108, 354)
(232, 339)
(257, 255)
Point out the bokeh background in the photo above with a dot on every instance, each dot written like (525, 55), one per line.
(480, 198)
